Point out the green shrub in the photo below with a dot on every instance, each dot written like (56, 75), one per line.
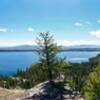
(92, 85)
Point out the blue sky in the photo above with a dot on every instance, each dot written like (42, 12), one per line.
(72, 22)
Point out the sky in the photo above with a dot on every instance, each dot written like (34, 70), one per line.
(72, 22)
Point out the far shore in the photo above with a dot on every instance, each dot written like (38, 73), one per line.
(65, 50)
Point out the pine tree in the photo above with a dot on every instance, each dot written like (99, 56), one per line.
(47, 50)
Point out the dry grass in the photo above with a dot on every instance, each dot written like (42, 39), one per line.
(12, 94)
(4, 93)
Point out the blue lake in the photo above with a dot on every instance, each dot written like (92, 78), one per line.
(10, 62)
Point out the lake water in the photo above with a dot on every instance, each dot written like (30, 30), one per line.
(10, 62)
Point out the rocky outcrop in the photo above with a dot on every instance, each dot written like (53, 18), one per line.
(43, 91)
(46, 91)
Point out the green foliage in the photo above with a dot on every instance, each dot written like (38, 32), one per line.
(10, 82)
(77, 73)
(32, 76)
(76, 76)
(61, 84)
(92, 85)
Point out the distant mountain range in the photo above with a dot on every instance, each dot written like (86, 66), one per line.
(64, 48)
(19, 48)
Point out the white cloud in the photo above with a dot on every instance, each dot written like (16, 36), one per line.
(78, 24)
(30, 29)
(81, 23)
(98, 21)
(96, 33)
(3, 29)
